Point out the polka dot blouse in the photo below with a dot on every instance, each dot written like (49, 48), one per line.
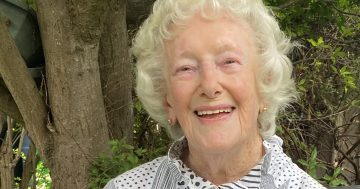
(274, 171)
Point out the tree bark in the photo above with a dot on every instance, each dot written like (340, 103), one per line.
(6, 160)
(8, 105)
(71, 32)
(30, 162)
(116, 72)
(24, 91)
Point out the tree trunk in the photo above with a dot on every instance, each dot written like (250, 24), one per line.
(71, 33)
(30, 163)
(6, 170)
(116, 72)
(6, 160)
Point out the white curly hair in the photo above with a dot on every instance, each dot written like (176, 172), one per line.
(273, 78)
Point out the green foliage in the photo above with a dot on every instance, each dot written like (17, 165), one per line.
(318, 44)
(311, 164)
(123, 158)
(31, 3)
(334, 179)
(327, 72)
(43, 179)
(147, 135)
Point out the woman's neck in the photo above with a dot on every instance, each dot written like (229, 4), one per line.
(224, 168)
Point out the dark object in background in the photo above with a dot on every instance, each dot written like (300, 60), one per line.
(25, 32)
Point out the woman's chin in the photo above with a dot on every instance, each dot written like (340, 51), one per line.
(218, 144)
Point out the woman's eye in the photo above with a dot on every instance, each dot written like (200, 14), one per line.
(185, 69)
(230, 61)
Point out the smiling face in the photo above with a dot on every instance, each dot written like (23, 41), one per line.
(211, 86)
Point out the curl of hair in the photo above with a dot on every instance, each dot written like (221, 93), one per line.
(273, 78)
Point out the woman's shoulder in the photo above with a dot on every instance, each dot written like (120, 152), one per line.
(283, 170)
(138, 177)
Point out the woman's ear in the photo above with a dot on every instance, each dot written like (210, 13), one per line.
(170, 111)
(262, 108)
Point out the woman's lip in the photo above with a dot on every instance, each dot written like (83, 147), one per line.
(216, 107)
(221, 117)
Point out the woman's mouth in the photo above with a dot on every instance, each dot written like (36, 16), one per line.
(214, 114)
(205, 113)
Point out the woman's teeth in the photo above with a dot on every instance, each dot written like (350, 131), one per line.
(210, 112)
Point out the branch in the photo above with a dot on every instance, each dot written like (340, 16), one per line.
(23, 89)
(357, 171)
(350, 150)
(30, 163)
(288, 4)
(8, 105)
(293, 140)
(343, 12)
(6, 156)
(285, 5)
(17, 157)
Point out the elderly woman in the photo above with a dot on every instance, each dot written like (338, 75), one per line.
(215, 73)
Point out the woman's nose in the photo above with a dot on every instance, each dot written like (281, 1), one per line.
(209, 85)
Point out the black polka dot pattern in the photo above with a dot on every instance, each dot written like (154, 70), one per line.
(276, 170)
(138, 178)
(251, 180)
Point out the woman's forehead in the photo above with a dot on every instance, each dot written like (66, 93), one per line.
(219, 34)
(198, 17)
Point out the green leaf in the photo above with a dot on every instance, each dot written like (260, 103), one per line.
(334, 69)
(318, 64)
(347, 31)
(312, 42)
(344, 4)
(344, 71)
(303, 89)
(138, 106)
(339, 53)
(337, 182)
(327, 177)
(303, 162)
(337, 171)
(320, 41)
(355, 103)
(320, 165)
(313, 154)
(301, 82)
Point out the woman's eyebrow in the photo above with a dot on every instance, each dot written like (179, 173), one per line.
(227, 47)
(186, 54)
